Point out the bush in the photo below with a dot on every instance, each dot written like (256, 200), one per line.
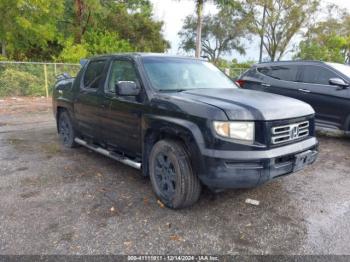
(18, 83)
(72, 53)
(105, 43)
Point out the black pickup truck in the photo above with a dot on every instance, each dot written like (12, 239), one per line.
(184, 123)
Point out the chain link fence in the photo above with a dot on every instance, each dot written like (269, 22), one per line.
(37, 79)
(31, 78)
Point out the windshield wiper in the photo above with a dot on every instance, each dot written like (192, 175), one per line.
(172, 90)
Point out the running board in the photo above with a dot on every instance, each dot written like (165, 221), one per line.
(112, 155)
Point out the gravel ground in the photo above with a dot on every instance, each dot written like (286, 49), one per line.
(72, 201)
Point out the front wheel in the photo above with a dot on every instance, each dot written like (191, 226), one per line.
(172, 176)
(65, 130)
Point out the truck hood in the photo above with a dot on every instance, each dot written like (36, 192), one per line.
(240, 104)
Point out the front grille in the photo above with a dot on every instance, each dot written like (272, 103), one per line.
(290, 132)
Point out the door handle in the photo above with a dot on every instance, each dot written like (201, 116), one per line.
(266, 85)
(304, 90)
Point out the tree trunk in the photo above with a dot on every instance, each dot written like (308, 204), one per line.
(273, 55)
(262, 35)
(272, 52)
(79, 8)
(199, 27)
(3, 48)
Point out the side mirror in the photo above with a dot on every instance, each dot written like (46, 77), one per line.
(127, 88)
(338, 82)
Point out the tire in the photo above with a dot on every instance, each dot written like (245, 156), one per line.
(172, 176)
(65, 130)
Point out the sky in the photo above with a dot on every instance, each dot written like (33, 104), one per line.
(173, 13)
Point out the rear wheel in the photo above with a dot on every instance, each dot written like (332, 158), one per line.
(65, 130)
(172, 176)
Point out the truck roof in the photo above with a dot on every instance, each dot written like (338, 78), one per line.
(141, 54)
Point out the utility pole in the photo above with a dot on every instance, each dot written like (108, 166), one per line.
(262, 34)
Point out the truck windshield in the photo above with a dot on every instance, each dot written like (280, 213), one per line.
(179, 74)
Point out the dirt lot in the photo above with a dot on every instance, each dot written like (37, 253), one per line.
(59, 201)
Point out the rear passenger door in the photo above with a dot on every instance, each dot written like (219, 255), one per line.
(281, 79)
(89, 105)
(327, 100)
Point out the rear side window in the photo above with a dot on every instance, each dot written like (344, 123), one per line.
(317, 75)
(285, 72)
(93, 74)
(251, 72)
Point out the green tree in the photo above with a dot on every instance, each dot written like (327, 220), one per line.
(327, 40)
(105, 42)
(80, 16)
(283, 20)
(245, 64)
(334, 49)
(199, 25)
(43, 30)
(72, 52)
(28, 26)
(133, 21)
(93, 43)
(221, 34)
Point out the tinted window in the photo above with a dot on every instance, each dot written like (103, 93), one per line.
(317, 75)
(121, 70)
(171, 74)
(250, 72)
(287, 73)
(93, 74)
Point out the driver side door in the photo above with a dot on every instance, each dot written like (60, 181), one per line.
(121, 125)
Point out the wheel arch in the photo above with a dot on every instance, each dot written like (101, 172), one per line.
(63, 106)
(59, 111)
(183, 131)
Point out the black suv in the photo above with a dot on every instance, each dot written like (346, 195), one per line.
(183, 123)
(325, 86)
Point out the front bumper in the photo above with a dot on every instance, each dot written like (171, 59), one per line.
(245, 169)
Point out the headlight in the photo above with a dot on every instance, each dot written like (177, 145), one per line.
(236, 130)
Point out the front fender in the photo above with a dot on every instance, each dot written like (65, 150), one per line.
(156, 127)
(175, 126)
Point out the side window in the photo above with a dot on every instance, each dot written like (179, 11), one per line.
(286, 73)
(317, 75)
(264, 70)
(93, 74)
(250, 72)
(121, 70)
